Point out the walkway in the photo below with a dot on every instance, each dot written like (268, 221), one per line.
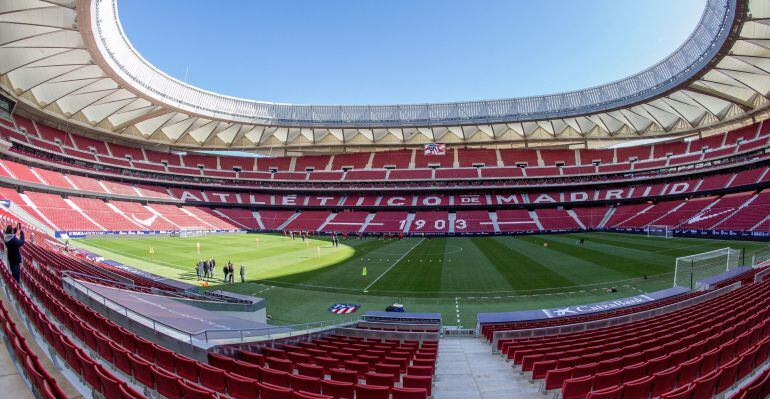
(11, 383)
(467, 369)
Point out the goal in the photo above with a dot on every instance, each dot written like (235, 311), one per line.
(761, 258)
(192, 233)
(659, 231)
(693, 268)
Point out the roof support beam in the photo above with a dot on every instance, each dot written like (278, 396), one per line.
(743, 105)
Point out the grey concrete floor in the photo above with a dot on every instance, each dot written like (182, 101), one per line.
(467, 369)
(11, 383)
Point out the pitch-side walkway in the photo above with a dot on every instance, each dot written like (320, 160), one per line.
(467, 369)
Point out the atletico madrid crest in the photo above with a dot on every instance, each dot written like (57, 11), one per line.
(343, 308)
(435, 149)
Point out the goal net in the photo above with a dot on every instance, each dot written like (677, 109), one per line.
(659, 231)
(693, 268)
(761, 258)
(192, 233)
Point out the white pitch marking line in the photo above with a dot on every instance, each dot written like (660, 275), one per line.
(394, 264)
(457, 308)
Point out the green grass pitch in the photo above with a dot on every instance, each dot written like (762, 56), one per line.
(457, 276)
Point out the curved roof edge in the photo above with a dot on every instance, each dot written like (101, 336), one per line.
(683, 64)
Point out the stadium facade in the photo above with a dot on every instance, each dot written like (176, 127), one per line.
(72, 62)
(95, 141)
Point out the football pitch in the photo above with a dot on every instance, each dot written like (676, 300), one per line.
(456, 276)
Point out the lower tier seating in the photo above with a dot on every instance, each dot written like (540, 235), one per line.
(701, 351)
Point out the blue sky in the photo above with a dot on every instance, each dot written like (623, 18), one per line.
(404, 51)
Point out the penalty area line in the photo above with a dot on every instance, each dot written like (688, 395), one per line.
(366, 289)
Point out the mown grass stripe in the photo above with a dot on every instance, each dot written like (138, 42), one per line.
(520, 271)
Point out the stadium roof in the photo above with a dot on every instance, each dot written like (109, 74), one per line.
(71, 60)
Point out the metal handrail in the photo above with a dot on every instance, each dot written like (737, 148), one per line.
(687, 61)
(209, 335)
(135, 287)
(609, 322)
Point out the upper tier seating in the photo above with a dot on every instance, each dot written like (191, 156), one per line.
(392, 159)
(473, 157)
(348, 161)
(558, 157)
(421, 160)
(311, 162)
(540, 162)
(517, 157)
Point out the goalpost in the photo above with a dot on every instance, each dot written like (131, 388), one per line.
(761, 258)
(192, 232)
(692, 268)
(659, 231)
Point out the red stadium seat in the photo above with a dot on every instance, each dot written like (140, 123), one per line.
(414, 381)
(275, 377)
(372, 392)
(270, 391)
(310, 395)
(191, 390)
(168, 385)
(638, 389)
(337, 389)
(241, 387)
(575, 388)
(606, 393)
(212, 378)
(684, 392)
(379, 379)
(310, 370)
(344, 375)
(300, 382)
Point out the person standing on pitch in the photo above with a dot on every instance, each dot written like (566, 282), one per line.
(230, 272)
(225, 270)
(199, 269)
(243, 274)
(13, 244)
(212, 265)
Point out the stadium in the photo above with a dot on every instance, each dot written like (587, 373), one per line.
(167, 241)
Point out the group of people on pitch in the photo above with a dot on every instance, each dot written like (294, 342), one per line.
(204, 269)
